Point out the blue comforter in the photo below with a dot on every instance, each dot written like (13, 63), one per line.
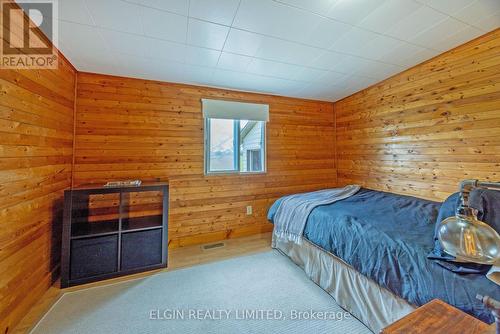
(387, 238)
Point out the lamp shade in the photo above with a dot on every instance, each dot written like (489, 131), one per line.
(469, 239)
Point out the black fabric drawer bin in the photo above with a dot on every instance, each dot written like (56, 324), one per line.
(141, 249)
(93, 256)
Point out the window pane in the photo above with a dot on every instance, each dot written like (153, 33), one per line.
(251, 146)
(222, 145)
(254, 163)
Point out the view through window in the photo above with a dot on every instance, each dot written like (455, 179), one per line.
(234, 145)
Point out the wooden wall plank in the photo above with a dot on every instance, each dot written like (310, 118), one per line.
(129, 128)
(423, 130)
(36, 139)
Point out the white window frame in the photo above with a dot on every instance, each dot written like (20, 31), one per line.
(237, 140)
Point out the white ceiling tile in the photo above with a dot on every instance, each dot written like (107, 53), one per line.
(308, 74)
(198, 74)
(334, 95)
(174, 6)
(326, 32)
(478, 10)
(153, 69)
(356, 83)
(331, 78)
(160, 49)
(315, 6)
(105, 64)
(282, 49)
(353, 41)
(388, 14)
(321, 91)
(171, 72)
(378, 71)
(121, 42)
(254, 83)
(201, 56)
(420, 57)
(273, 69)
(458, 38)
(124, 15)
(278, 86)
(489, 23)
(164, 25)
(206, 34)
(234, 80)
(416, 22)
(434, 34)
(378, 47)
(287, 52)
(74, 11)
(448, 6)
(243, 42)
(283, 87)
(134, 66)
(77, 62)
(327, 60)
(405, 55)
(353, 11)
(275, 19)
(218, 11)
(233, 62)
(83, 41)
(388, 70)
(351, 64)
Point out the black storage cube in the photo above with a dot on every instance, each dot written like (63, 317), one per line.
(93, 256)
(141, 249)
(110, 231)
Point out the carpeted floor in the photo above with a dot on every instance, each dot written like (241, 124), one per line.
(262, 293)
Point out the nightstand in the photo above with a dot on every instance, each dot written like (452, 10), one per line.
(438, 317)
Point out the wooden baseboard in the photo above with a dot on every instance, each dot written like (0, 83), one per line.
(220, 235)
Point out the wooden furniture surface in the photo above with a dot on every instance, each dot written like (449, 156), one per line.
(423, 131)
(139, 129)
(36, 140)
(439, 318)
(105, 235)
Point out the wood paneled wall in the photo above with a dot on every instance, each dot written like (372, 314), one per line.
(36, 141)
(422, 131)
(130, 128)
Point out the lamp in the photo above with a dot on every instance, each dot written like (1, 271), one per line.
(470, 240)
(464, 236)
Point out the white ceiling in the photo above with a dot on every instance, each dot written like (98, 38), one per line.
(318, 49)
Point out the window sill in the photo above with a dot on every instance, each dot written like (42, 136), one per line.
(234, 173)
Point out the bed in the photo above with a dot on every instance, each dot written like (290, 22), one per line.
(369, 252)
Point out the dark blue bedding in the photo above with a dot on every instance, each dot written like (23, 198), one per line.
(387, 237)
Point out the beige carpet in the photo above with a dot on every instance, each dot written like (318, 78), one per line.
(262, 293)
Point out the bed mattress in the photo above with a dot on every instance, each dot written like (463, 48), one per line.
(387, 237)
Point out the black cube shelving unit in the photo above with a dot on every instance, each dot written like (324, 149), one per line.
(110, 232)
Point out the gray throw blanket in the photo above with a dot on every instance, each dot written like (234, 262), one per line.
(291, 216)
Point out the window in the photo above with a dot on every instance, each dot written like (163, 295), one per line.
(234, 144)
(223, 145)
(254, 161)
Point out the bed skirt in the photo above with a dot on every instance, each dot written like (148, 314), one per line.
(372, 304)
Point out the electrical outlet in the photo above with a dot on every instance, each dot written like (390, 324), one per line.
(249, 210)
